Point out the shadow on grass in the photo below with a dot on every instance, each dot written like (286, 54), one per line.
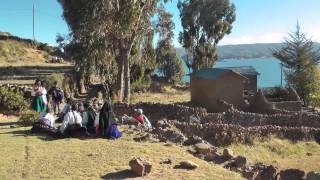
(8, 123)
(124, 174)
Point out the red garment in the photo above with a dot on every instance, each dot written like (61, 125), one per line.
(140, 118)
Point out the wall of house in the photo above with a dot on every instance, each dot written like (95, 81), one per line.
(251, 84)
(229, 88)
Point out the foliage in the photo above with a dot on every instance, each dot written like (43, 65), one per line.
(48, 80)
(11, 101)
(106, 30)
(171, 67)
(27, 118)
(204, 24)
(300, 60)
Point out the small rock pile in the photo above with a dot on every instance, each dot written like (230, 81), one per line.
(140, 167)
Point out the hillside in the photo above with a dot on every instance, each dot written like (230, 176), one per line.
(15, 51)
(244, 51)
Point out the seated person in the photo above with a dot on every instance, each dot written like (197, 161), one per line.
(65, 110)
(142, 119)
(47, 118)
(72, 121)
(107, 122)
(88, 117)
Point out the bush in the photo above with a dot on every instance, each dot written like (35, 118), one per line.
(11, 101)
(28, 118)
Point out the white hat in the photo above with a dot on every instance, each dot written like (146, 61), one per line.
(139, 111)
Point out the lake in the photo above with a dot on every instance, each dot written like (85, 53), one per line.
(269, 69)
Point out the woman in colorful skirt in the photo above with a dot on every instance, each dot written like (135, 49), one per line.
(39, 94)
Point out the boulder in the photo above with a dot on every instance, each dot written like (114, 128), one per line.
(292, 174)
(174, 136)
(188, 165)
(203, 148)
(267, 173)
(140, 167)
(313, 176)
(240, 161)
(227, 154)
(193, 140)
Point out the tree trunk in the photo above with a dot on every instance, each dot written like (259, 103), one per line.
(127, 79)
(120, 78)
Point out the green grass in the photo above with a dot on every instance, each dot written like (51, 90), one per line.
(282, 153)
(35, 157)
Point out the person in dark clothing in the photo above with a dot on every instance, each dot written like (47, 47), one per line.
(89, 116)
(57, 96)
(107, 122)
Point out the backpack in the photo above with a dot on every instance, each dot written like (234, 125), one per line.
(60, 95)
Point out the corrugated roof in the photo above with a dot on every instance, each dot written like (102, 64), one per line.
(244, 70)
(213, 73)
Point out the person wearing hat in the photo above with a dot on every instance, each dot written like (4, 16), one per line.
(142, 119)
(72, 121)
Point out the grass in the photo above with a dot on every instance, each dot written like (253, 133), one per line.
(170, 96)
(282, 153)
(34, 157)
(15, 53)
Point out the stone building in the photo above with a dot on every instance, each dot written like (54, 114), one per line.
(210, 86)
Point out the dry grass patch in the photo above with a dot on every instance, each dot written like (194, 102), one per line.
(282, 153)
(170, 96)
(34, 157)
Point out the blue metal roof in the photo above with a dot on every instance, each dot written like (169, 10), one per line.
(214, 73)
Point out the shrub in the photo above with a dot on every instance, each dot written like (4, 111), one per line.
(11, 101)
(28, 118)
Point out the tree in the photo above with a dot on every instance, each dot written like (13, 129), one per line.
(300, 60)
(169, 64)
(114, 25)
(204, 24)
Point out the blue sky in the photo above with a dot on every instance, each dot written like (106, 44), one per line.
(258, 21)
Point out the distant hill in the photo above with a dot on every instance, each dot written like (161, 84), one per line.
(244, 51)
(16, 51)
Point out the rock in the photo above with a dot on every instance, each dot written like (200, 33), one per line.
(166, 161)
(175, 136)
(267, 173)
(309, 154)
(227, 154)
(191, 149)
(313, 176)
(203, 148)
(240, 161)
(188, 165)
(292, 174)
(211, 156)
(250, 174)
(193, 140)
(140, 167)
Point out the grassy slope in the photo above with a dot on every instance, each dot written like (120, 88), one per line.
(15, 53)
(282, 153)
(33, 157)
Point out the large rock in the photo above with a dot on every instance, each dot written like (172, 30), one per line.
(188, 165)
(140, 167)
(227, 154)
(292, 174)
(193, 140)
(267, 173)
(204, 148)
(174, 136)
(313, 176)
(240, 161)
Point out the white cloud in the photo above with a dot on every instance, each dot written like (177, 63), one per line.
(273, 37)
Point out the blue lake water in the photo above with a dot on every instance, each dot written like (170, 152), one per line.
(269, 69)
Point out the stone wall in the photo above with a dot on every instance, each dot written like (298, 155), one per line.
(225, 134)
(298, 119)
(169, 111)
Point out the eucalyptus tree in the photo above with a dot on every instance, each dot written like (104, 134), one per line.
(204, 24)
(111, 26)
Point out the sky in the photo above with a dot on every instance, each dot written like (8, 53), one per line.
(258, 21)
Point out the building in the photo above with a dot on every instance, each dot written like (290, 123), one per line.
(210, 86)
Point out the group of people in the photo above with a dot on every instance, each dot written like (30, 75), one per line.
(91, 118)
